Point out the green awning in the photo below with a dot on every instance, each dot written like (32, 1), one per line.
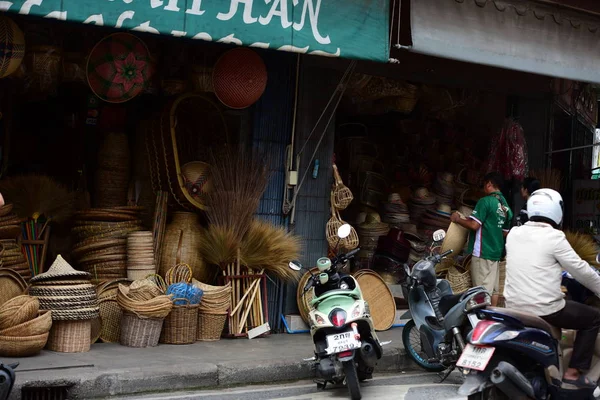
(349, 28)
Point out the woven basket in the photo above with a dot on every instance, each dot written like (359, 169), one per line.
(70, 336)
(181, 325)
(18, 310)
(210, 326)
(459, 279)
(36, 326)
(140, 332)
(502, 272)
(342, 195)
(22, 346)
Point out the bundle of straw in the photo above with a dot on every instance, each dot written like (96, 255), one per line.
(584, 246)
(549, 178)
(271, 248)
(34, 196)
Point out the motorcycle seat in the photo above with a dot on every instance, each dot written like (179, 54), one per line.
(449, 301)
(530, 321)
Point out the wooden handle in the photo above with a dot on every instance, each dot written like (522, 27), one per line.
(336, 176)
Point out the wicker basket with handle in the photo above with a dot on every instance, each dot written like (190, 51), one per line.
(181, 325)
(342, 195)
(459, 279)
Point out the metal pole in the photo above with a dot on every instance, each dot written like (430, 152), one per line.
(573, 148)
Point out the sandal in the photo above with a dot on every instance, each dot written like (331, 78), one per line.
(581, 382)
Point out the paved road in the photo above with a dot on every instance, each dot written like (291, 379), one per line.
(397, 387)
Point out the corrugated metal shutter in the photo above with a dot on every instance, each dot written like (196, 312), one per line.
(272, 134)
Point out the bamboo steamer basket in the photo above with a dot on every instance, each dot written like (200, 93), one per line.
(181, 245)
(379, 297)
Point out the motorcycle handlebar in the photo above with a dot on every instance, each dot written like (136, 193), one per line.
(352, 253)
(446, 253)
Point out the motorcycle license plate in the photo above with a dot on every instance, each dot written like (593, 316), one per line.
(341, 342)
(475, 357)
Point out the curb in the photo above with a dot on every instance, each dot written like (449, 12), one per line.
(148, 379)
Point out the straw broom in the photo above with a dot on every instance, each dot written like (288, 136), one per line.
(549, 178)
(584, 246)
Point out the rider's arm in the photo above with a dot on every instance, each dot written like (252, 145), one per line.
(477, 218)
(573, 264)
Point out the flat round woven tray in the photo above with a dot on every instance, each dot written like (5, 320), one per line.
(379, 297)
(82, 248)
(304, 300)
(10, 231)
(5, 210)
(106, 216)
(12, 284)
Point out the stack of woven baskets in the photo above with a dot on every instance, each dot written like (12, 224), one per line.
(396, 212)
(72, 299)
(101, 240)
(11, 256)
(24, 329)
(181, 325)
(145, 307)
(212, 312)
(10, 224)
(140, 255)
(112, 175)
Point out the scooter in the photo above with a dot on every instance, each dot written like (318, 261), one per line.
(345, 343)
(516, 355)
(7, 379)
(439, 317)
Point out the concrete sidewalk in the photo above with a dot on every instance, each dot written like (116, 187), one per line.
(110, 369)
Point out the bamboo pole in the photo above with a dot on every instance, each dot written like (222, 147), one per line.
(256, 282)
(244, 318)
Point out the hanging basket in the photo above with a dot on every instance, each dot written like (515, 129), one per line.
(181, 325)
(140, 332)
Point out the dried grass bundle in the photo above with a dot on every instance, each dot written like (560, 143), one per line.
(584, 246)
(38, 195)
(271, 248)
(239, 179)
(218, 246)
(549, 178)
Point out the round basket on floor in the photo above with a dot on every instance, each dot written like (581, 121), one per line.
(210, 325)
(70, 336)
(140, 332)
(14, 346)
(181, 325)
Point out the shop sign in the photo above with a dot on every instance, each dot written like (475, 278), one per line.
(586, 205)
(349, 28)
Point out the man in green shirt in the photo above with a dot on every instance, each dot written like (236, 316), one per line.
(488, 225)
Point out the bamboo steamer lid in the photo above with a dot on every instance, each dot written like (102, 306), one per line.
(379, 297)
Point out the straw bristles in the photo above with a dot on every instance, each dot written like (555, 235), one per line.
(218, 246)
(38, 195)
(584, 246)
(549, 178)
(271, 248)
(239, 179)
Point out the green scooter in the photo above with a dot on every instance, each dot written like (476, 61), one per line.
(345, 343)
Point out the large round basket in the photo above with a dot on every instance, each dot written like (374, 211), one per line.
(70, 336)
(140, 332)
(181, 325)
(304, 299)
(12, 47)
(14, 346)
(211, 325)
(379, 297)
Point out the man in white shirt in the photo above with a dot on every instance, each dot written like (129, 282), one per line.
(536, 254)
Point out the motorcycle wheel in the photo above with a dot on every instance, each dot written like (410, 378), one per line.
(411, 338)
(492, 393)
(352, 380)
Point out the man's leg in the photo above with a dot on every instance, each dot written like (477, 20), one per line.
(584, 319)
(495, 268)
(483, 274)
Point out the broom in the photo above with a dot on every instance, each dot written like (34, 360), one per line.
(584, 246)
(549, 178)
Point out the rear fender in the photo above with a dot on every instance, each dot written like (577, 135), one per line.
(475, 382)
(347, 358)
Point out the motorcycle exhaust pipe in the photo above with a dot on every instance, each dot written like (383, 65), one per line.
(368, 355)
(510, 381)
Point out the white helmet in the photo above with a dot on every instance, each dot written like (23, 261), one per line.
(546, 203)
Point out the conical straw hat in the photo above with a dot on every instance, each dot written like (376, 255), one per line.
(60, 269)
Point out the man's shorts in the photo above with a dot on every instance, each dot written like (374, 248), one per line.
(486, 273)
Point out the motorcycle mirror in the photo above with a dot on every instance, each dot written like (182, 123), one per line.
(344, 231)
(439, 235)
(295, 265)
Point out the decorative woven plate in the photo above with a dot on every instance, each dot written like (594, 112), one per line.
(12, 284)
(304, 301)
(381, 301)
(119, 67)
